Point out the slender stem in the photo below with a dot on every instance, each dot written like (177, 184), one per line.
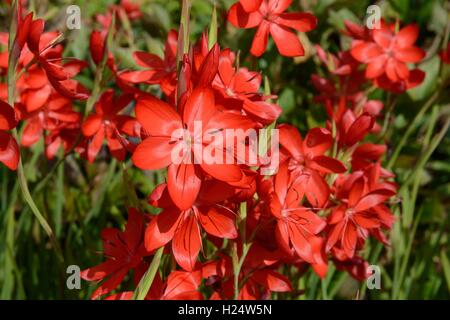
(411, 127)
(434, 144)
(146, 282)
(11, 81)
(237, 265)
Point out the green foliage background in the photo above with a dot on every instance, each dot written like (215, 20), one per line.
(80, 199)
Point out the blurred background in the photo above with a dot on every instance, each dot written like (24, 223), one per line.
(78, 199)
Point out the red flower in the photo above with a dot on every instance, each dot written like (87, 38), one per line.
(180, 285)
(182, 227)
(158, 71)
(353, 129)
(57, 112)
(9, 150)
(239, 88)
(343, 64)
(297, 226)
(308, 161)
(107, 123)
(258, 275)
(65, 136)
(388, 52)
(58, 74)
(271, 18)
(360, 210)
(123, 250)
(170, 135)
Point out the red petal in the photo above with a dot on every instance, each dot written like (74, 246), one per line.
(317, 190)
(410, 55)
(287, 42)
(328, 165)
(209, 66)
(95, 144)
(36, 99)
(110, 284)
(91, 125)
(360, 127)
(200, 106)
(183, 184)
(300, 243)
(32, 132)
(137, 76)
(299, 21)
(264, 111)
(376, 67)
(242, 19)
(34, 36)
(161, 229)
(260, 39)
(373, 199)
(291, 139)
(219, 222)
(250, 5)
(157, 117)
(278, 6)
(153, 153)
(365, 51)
(407, 36)
(96, 45)
(272, 280)
(349, 239)
(9, 151)
(147, 60)
(187, 242)
(318, 141)
(383, 37)
(8, 119)
(182, 283)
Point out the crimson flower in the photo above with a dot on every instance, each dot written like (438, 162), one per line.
(124, 250)
(239, 89)
(360, 210)
(9, 150)
(105, 122)
(387, 54)
(65, 136)
(57, 112)
(157, 70)
(173, 136)
(353, 129)
(270, 18)
(308, 161)
(297, 226)
(58, 74)
(182, 227)
(258, 274)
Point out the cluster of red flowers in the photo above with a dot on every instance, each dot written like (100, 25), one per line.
(329, 193)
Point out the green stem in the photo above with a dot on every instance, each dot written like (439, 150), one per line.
(146, 282)
(11, 81)
(423, 160)
(411, 128)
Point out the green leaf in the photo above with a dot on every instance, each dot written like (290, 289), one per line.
(446, 267)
